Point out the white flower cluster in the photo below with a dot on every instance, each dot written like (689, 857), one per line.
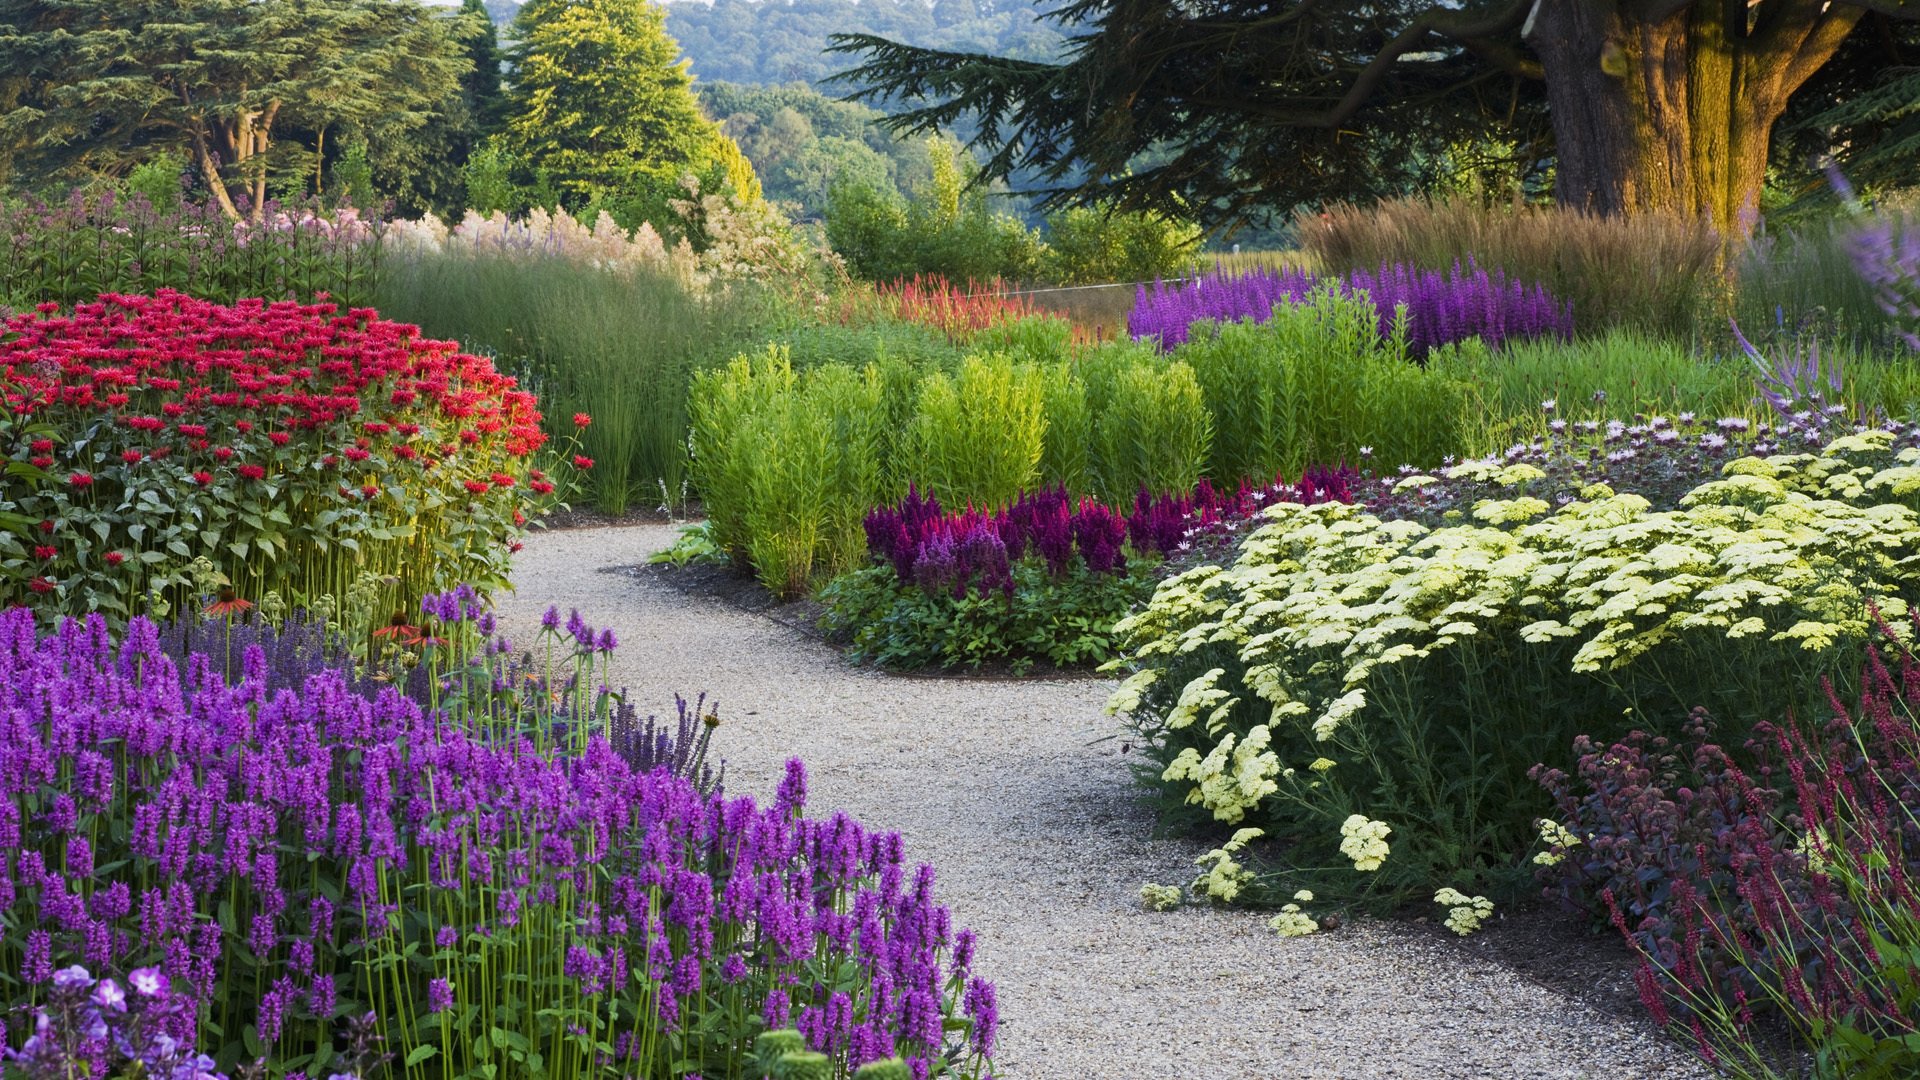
(1464, 913)
(1224, 879)
(1792, 549)
(1293, 922)
(1365, 842)
(1161, 897)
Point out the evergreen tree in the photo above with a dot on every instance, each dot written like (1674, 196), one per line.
(94, 87)
(601, 103)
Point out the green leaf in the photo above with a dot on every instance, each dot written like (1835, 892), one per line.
(421, 1053)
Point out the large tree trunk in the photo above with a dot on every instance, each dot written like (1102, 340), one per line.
(1668, 105)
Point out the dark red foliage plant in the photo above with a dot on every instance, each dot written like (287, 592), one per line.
(1769, 890)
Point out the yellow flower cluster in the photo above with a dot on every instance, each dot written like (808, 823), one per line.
(1556, 838)
(1224, 879)
(1160, 897)
(1299, 633)
(1293, 922)
(1364, 841)
(1464, 913)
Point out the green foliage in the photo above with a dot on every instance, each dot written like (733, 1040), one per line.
(1802, 281)
(1315, 385)
(790, 463)
(945, 227)
(804, 144)
(978, 434)
(1059, 621)
(1066, 458)
(1152, 431)
(1096, 245)
(916, 345)
(602, 104)
(157, 179)
(621, 347)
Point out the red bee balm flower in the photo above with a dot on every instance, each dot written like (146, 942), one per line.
(81, 479)
(131, 457)
(478, 487)
(253, 472)
(582, 461)
(44, 551)
(115, 558)
(581, 419)
(42, 446)
(278, 438)
(41, 585)
(203, 478)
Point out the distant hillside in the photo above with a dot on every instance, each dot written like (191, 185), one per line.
(774, 42)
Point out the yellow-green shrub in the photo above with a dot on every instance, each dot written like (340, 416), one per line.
(1152, 431)
(979, 433)
(1350, 667)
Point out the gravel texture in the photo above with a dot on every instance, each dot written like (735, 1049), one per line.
(1019, 793)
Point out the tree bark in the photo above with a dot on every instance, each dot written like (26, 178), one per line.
(1666, 105)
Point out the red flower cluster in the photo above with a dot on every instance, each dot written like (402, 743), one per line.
(305, 365)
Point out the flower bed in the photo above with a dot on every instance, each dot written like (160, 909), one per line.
(1043, 579)
(1440, 308)
(301, 450)
(508, 892)
(1352, 667)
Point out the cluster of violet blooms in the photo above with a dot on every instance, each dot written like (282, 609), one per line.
(227, 835)
(1442, 308)
(1886, 252)
(973, 550)
(95, 1027)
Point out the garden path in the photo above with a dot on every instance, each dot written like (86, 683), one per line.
(1016, 792)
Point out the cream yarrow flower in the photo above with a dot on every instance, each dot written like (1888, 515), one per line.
(1224, 879)
(1365, 842)
(1464, 913)
(1292, 922)
(1161, 897)
(1557, 838)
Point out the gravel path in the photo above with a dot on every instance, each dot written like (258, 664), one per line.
(1015, 791)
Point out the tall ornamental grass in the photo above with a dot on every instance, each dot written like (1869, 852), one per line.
(1648, 272)
(298, 451)
(1437, 308)
(1809, 280)
(620, 346)
(506, 891)
(71, 252)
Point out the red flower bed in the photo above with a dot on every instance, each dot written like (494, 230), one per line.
(295, 447)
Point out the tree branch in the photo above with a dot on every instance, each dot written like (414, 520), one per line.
(1447, 24)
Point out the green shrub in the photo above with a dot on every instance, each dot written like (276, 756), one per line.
(1349, 672)
(1097, 245)
(946, 228)
(1316, 384)
(789, 464)
(1152, 431)
(621, 346)
(1066, 455)
(811, 344)
(1060, 620)
(978, 434)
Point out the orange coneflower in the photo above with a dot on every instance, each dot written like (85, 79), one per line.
(399, 630)
(228, 602)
